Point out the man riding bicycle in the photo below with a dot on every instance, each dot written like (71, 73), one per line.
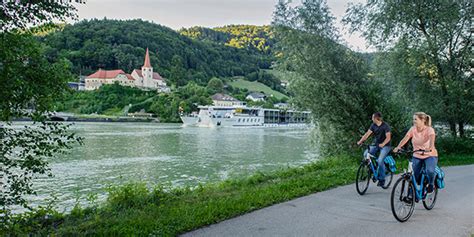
(382, 139)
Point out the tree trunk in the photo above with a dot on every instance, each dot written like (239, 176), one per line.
(461, 129)
(452, 127)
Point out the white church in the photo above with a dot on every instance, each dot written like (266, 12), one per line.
(144, 79)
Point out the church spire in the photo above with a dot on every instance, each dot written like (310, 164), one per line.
(147, 59)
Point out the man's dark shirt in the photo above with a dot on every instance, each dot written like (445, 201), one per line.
(379, 132)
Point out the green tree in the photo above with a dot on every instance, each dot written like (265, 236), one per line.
(334, 82)
(215, 85)
(19, 15)
(258, 38)
(29, 83)
(435, 40)
(177, 74)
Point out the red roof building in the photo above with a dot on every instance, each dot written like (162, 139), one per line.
(106, 74)
(156, 76)
(144, 78)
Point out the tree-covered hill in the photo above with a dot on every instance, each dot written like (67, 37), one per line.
(112, 44)
(258, 38)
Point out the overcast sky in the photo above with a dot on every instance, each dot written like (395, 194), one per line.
(209, 13)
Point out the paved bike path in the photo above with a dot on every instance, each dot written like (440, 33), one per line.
(342, 212)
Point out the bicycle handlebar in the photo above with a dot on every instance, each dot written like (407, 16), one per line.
(403, 151)
(400, 151)
(366, 145)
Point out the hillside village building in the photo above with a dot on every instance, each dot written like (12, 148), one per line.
(145, 79)
(225, 100)
(256, 97)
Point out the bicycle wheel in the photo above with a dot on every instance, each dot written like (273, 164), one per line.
(430, 199)
(363, 178)
(402, 199)
(388, 179)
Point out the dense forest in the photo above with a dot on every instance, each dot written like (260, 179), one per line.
(112, 44)
(258, 38)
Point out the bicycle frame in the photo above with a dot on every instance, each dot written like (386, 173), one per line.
(369, 158)
(418, 187)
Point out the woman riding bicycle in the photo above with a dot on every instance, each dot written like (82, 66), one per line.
(382, 135)
(423, 137)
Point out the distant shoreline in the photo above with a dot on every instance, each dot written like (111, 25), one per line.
(99, 119)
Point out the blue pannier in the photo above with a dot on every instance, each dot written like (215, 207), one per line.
(390, 163)
(439, 177)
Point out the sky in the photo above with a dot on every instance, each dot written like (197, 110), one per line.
(177, 14)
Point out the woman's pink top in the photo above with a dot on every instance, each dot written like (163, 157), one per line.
(421, 141)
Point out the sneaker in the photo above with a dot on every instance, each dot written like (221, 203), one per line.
(381, 183)
(411, 198)
(407, 200)
(430, 188)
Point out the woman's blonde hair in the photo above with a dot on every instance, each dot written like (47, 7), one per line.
(423, 116)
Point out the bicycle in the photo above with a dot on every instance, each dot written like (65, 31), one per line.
(406, 191)
(368, 169)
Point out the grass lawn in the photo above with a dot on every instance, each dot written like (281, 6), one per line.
(239, 82)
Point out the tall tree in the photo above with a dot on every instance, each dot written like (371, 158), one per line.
(29, 83)
(436, 37)
(22, 14)
(334, 82)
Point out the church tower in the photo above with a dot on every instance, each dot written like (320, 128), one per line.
(147, 72)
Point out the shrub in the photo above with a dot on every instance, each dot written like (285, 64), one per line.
(451, 145)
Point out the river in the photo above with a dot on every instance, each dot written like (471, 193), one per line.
(167, 154)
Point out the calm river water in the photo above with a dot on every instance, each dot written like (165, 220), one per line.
(117, 153)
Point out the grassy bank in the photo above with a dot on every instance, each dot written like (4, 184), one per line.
(138, 210)
(239, 82)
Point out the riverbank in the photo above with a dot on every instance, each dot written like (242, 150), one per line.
(134, 209)
(96, 118)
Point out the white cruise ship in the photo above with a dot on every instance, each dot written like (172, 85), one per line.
(235, 116)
